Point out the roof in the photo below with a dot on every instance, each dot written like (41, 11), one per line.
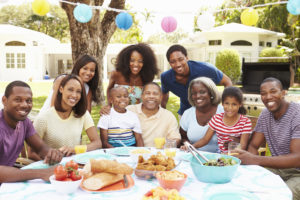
(240, 28)
(6, 29)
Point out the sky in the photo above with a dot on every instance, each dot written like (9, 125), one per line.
(183, 11)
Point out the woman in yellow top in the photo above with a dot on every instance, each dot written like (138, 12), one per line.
(61, 126)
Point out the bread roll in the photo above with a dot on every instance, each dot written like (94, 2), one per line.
(101, 180)
(110, 166)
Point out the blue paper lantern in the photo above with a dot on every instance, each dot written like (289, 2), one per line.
(83, 13)
(124, 21)
(293, 6)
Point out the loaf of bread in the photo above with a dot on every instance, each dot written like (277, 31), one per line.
(100, 180)
(111, 166)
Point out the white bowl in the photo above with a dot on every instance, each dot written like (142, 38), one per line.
(134, 154)
(64, 187)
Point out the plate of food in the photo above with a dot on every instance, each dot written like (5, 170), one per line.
(84, 158)
(146, 169)
(106, 175)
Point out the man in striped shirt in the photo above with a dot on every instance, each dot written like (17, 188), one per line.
(279, 126)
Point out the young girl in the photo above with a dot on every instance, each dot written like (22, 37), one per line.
(232, 123)
(86, 68)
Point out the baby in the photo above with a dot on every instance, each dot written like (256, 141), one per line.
(121, 125)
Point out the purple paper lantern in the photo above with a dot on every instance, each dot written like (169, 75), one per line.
(124, 21)
(169, 24)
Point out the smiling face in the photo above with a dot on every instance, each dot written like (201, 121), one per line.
(17, 105)
(71, 94)
(231, 106)
(119, 99)
(87, 72)
(151, 97)
(272, 96)
(200, 95)
(136, 62)
(178, 62)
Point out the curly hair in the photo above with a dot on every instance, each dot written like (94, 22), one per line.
(93, 83)
(149, 69)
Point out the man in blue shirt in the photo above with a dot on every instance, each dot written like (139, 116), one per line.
(178, 78)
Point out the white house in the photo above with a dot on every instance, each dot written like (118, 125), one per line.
(247, 40)
(28, 55)
(22, 53)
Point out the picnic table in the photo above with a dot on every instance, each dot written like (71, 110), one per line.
(250, 182)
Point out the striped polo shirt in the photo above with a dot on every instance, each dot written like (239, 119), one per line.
(243, 126)
(279, 133)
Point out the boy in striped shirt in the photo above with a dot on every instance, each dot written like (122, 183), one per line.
(121, 125)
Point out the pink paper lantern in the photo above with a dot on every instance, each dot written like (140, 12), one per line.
(169, 24)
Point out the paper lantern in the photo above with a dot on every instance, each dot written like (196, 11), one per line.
(40, 7)
(206, 21)
(169, 24)
(83, 13)
(124, 21)
(293, 6)
(249, 17)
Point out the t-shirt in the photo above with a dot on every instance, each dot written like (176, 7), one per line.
(243, 126)
(197, 69)
(161, 124)
(195, 131)
(12, 140)
(58, 132)
(279, 133)
(120, 126)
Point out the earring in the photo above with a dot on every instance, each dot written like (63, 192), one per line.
(211, 97)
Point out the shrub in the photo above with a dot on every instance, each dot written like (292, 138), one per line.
(272, 52)
(228, 61)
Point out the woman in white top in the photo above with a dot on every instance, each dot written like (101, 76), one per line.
(86, 68)
(61, 126)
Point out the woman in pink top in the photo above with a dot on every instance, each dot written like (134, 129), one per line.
(232, 123)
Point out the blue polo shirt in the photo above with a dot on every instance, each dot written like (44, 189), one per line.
(197, 69)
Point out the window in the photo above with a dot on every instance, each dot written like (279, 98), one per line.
(14, 43)
(215, 42)
(269, 44)
(10, 60)
(241, 43)
(261, 43)
(15, 60)
(69, 64)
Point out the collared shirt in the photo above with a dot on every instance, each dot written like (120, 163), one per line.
(197, 69)
(161, 124)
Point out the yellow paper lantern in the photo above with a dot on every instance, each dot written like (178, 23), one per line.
(40, 7)
(249, 17)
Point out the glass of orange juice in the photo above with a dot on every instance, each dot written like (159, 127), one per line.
(159, 142)
(232, 146)
(80, 149)
(170, 148)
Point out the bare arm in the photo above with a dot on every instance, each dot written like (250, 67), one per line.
(94, 138)
(184, 136)
(139, 139)
(12, 174)
(89, 101)
(225, 81)
(257, 140)
(165, 98)
(244, 141)
(104, 138)
(51, 156)
(56, 85)
(290, 160)
(205, 140)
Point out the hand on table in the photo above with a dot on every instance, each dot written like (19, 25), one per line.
(105, 110)
(46, 173)
(67, 151)
(53, 156)
(246, 157)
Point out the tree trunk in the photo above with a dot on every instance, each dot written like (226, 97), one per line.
(93, 37)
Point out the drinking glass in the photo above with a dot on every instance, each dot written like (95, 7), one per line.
(170, 148)
(159, 142)
(80, 149)
(232, 146)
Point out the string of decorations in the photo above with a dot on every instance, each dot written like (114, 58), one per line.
(83, 14)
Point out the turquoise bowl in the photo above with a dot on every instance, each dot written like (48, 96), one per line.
(214, 174)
